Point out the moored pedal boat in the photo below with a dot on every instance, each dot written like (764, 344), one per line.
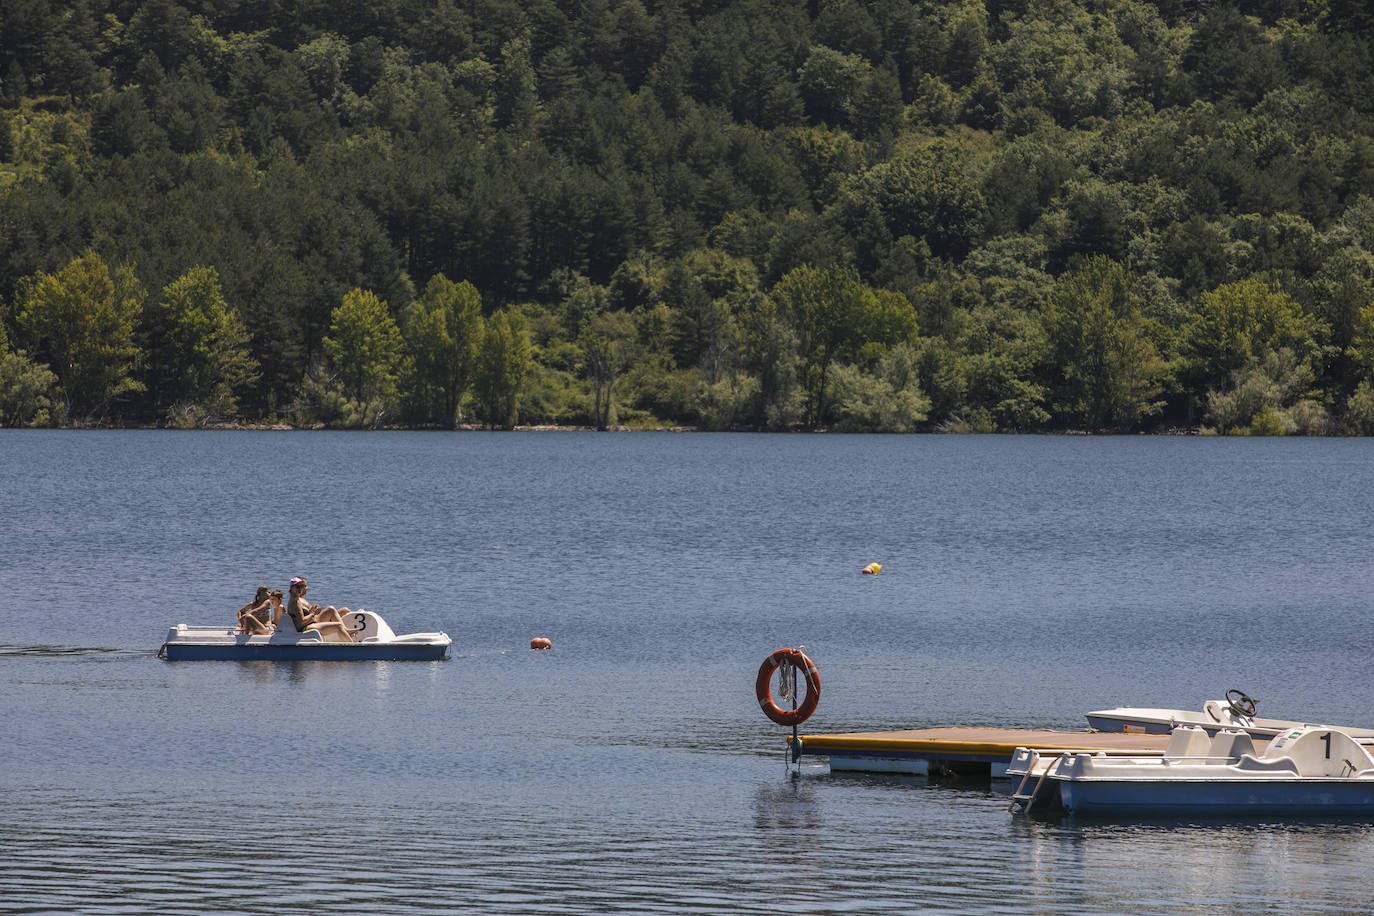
(1236, 711)
(374, 640)
(1310, 770)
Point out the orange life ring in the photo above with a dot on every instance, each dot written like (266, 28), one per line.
(763, 687)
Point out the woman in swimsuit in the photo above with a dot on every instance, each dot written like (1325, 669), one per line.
(253, 616)
(308, 616)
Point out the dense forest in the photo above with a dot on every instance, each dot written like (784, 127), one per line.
(856, 215)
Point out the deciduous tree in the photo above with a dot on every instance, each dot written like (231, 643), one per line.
(26, 390)
(81, 321)
(608, 347)
(442, 334)
(503, 360)
(1110, 371)
(199, 356)
(824, 307)
(1239, 323)
(365, 347)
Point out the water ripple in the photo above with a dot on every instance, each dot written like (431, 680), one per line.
(629, 770)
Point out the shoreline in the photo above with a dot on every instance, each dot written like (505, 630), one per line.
(540, 427)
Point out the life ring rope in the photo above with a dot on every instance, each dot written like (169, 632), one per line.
(763, 686)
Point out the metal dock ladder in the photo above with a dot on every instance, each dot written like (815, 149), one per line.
(1020, 798)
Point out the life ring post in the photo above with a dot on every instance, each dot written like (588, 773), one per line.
(763, 688)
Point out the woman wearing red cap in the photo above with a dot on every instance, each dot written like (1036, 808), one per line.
(313, 617)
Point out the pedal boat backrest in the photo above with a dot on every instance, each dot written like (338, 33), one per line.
(1187, 742)
(1228, 744)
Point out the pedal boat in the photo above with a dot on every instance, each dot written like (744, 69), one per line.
(1310, 770)
(374, 640)
(1236, 711)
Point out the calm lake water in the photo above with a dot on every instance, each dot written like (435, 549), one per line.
(1025, 581)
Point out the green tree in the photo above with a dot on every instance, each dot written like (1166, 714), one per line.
(830, 83)
(998, 367)
(825, 158)
(1061, 59)
(1361, 349)
(1238, 324)
(878, 104)
(442, 334)
(1022, 179)
(964, 35)
(199, 356)
(930, 193)
(6, 139)
(365, 347)
(824, 307)
(503, 361)
(887, 400)
(81, 321)
(515, 93)
(770, 354)
(1110, 370)
(26, 390)
(1270, 396)
(1359, 410)
(886, 319)
(188, 110)
(697, 318)
(608, 347)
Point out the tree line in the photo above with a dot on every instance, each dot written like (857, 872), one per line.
(867, 215)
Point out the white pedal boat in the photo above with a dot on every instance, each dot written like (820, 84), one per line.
(1311, 770)
(374, 641)
(1236, 711)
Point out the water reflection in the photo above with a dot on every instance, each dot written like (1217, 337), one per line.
(350, 673)
(789, 803)
(1234, 865)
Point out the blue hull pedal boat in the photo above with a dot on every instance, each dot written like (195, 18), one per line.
(373, 641)
(1313, 770)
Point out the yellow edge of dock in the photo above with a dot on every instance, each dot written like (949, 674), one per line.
(938, 743)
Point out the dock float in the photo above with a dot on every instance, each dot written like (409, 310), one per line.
(963, 751)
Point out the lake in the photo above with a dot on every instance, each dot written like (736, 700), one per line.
(1026, 580)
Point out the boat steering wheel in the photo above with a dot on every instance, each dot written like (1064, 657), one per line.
(1240, 704)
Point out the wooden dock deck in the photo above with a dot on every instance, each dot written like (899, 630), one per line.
(962, 750)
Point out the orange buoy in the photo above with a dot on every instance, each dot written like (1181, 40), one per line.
(763, 687)
(872, 569)
(540, 642)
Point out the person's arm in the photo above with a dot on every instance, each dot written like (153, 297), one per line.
(298, 619)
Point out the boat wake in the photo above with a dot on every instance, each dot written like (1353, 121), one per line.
(55, 651)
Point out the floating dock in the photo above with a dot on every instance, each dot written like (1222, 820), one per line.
(961, 751)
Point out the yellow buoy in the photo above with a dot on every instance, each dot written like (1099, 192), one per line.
(872, 569)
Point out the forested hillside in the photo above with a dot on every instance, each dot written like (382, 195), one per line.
(887, 215)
